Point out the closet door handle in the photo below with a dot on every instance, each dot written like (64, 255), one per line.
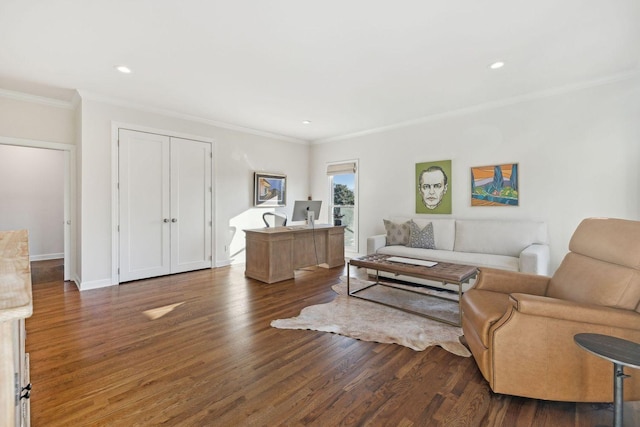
(174, 220)
(165, 220)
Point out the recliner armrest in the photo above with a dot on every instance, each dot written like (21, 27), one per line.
(574, 311)
(376, 242)
(535, 259)
(508, 282)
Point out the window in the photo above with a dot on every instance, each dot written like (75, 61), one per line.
(343, 206)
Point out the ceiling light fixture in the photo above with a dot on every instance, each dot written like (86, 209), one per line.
(123, 69)
(306, 122)
(496, 65)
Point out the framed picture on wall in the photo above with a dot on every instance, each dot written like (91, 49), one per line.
(433, 187)
(270, 190)
(495, 185)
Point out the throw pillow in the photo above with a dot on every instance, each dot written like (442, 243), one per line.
(397, 234)
(421, 238)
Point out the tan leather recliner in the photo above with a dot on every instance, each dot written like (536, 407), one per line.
(520, 327)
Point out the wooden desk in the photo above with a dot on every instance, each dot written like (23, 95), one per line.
(274, 253)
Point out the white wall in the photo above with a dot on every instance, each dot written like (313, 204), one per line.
(578, 156)
(32, 197)
(236, 155)
(32, 118)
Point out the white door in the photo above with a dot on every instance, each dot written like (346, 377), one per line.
(145, 205)
(165, 205)
(190, 205)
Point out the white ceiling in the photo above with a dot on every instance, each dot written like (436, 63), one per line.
(347, 65)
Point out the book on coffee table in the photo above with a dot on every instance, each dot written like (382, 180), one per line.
(411, 261)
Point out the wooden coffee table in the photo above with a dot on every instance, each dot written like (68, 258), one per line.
(443, 272)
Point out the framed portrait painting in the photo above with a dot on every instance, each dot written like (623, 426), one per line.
(270, 190)
(433, 187)
(495, 185)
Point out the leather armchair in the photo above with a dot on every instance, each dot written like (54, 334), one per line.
(520, 327)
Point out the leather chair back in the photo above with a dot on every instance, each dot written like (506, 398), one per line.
(603, 265)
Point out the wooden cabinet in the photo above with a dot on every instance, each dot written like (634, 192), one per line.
(274, 253)
(15, 306)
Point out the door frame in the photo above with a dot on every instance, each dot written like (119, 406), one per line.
(115, 200)
(69, 202)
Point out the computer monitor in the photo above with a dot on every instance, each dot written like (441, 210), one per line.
(302, 207)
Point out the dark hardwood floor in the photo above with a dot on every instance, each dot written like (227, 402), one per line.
(196, 349)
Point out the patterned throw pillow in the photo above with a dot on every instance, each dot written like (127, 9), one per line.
(421, 238)
(397, 234)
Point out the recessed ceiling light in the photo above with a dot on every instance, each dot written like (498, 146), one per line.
(496, 65)
(306, 122)
(123, 69)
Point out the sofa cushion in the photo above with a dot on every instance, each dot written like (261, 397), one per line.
(480, 260)
(444, 230)
(397, 232)
(498, 237)
(421, 237)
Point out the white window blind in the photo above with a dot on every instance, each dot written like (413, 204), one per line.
(341, 168)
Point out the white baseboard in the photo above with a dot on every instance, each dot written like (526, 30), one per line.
(104, 283)
(94, 284)
(45, 257)
(75, 281)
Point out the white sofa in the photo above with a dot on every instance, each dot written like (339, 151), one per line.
(509, 245)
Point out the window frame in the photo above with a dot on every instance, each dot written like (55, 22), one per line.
(342, 168)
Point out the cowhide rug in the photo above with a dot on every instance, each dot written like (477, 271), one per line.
(369, 321)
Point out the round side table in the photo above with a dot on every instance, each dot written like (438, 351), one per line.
(622, 353)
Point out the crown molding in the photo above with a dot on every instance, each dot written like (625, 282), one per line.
(35, 143)
(21, 96)
(76, 100)
(488, 106)
(171, 113)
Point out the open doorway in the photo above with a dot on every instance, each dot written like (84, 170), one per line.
(35, 185)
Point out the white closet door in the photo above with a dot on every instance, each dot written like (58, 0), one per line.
(144, 162)
(190, 205)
